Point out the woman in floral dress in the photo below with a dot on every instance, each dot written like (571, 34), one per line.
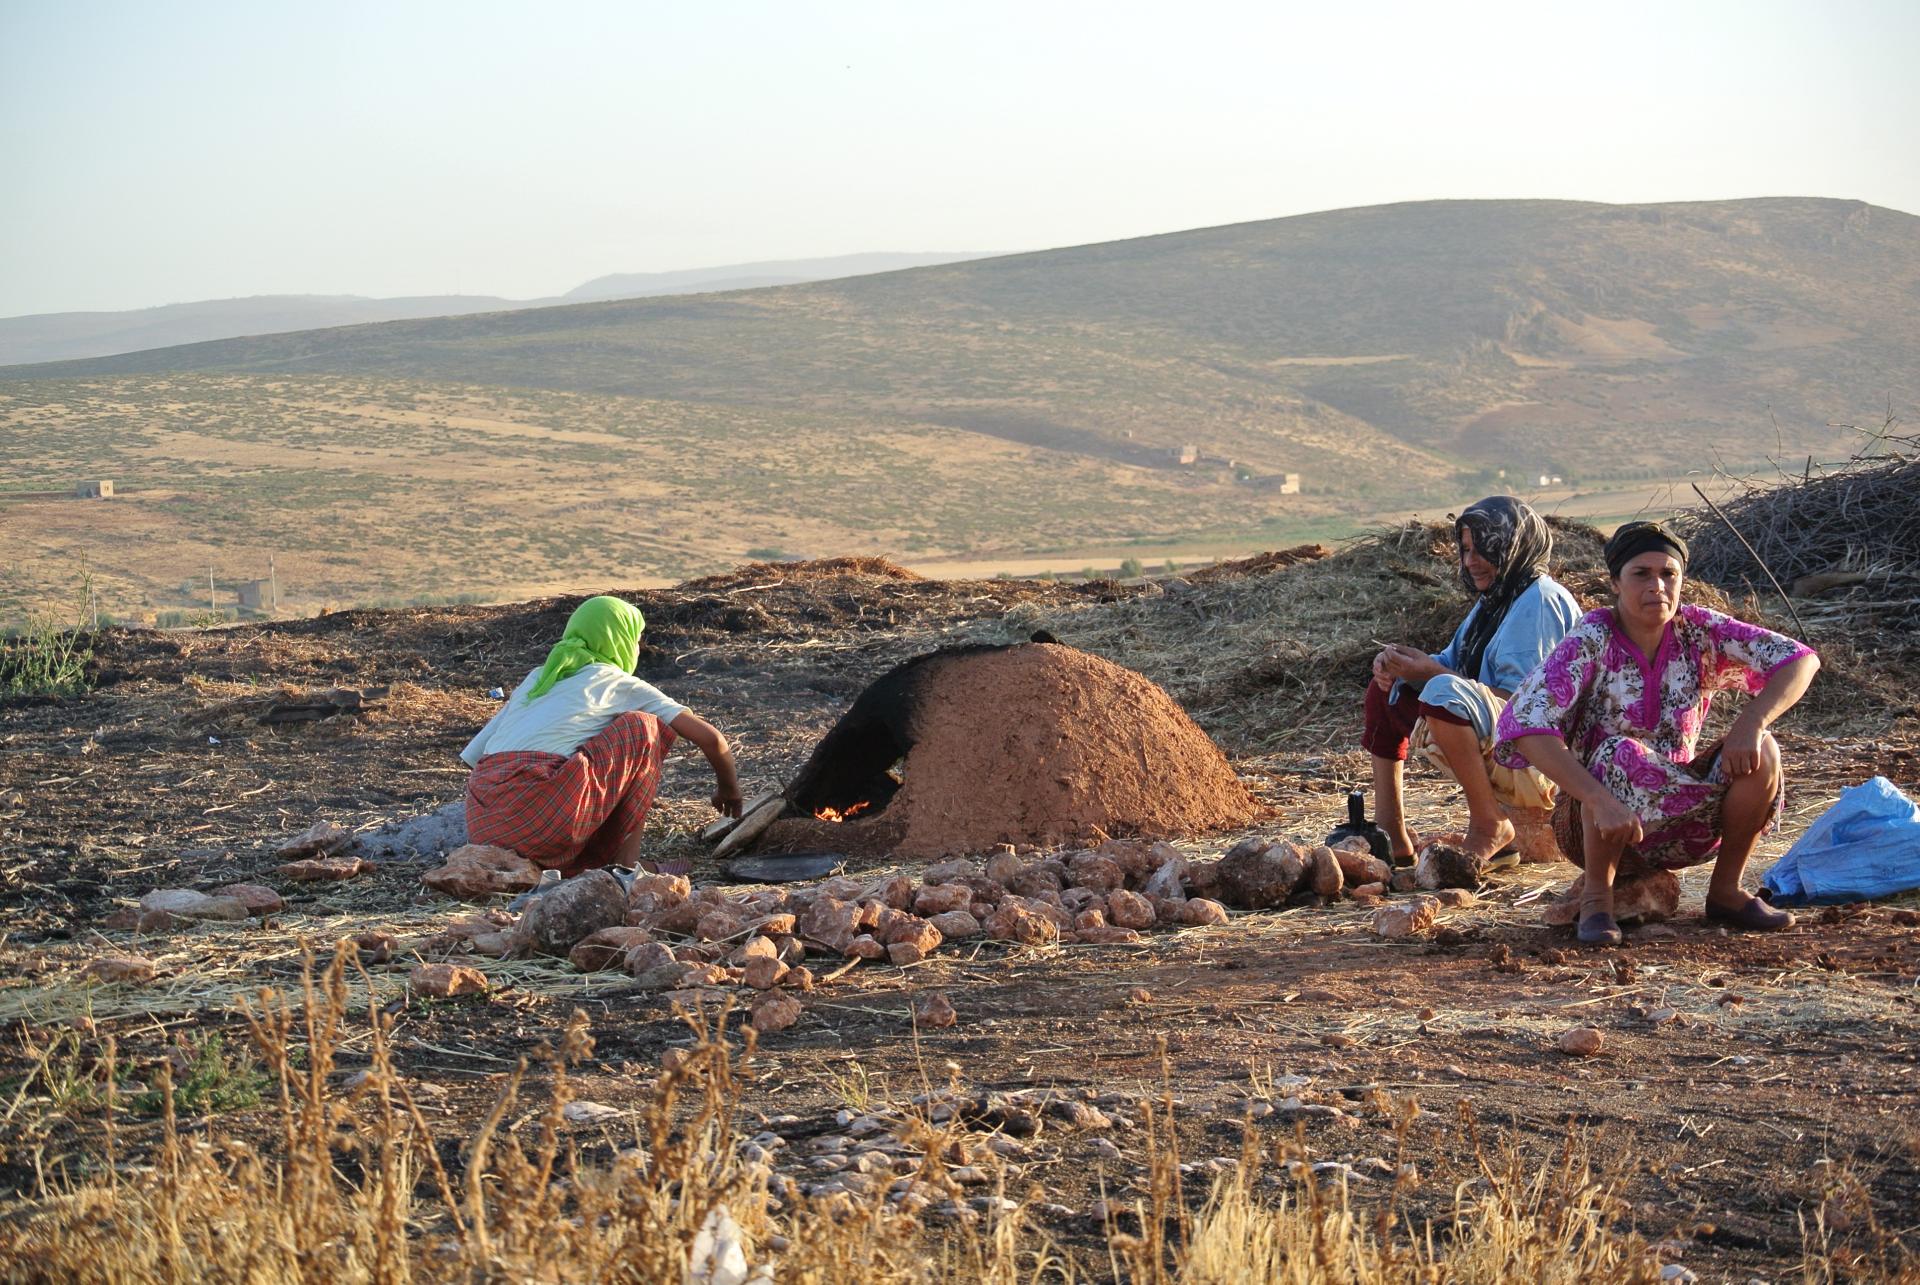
(1613, 716)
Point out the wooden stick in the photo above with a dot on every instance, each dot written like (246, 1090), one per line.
(1755, 555)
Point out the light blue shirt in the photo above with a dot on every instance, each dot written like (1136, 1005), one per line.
(1536, 622)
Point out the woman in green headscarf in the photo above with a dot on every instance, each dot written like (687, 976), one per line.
(565, 772)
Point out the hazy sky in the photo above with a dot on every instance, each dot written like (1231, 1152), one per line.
(158, 152)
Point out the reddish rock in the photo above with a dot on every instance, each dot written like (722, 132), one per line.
(1016, 923)
(376, 947)
(1200, 912)
(606, 948)
(955, 925)
(919, 933)
(477, 870)
(1581, 1041)
(1097, 873)
(843, 888)
(775, 1011)
(1447, 865)
(1360, 867)
(557, 921)
(722, 923)
(1107, 935)
(790, 950)
(1648, 898)
(1091, 917)
(1257, 874)
(1003, 866)
(1402, 880)
(865, 947)
(188, 904)
(259, 899)
(981, 909)
(325, 869)
(1455, 898)
(830, 922)
(653, 966)
(800, 978)
(933, 1010)
(763, 972)
(955, 870)
(902, 953)
(319, 838)
(1129, 909)
(938, 898)
(755, 948)
(124, 919)
(1406, 919)
(650, 893)
(779, 925)
(159, 921)
(443, 981)
(1369, 892)
(1323, 872)
(111, 969)
(1038, 877)
(897, 892)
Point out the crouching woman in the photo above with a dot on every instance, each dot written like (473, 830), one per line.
(1613, 717)
(564, 774)
(1444, 706)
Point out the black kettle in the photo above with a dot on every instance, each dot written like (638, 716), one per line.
(1357, 825)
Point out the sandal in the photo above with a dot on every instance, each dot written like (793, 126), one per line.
(1755, 916)
(1600, 929)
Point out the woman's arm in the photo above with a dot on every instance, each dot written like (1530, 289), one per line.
(1740, 752)
(726, 794)
(1557, 763)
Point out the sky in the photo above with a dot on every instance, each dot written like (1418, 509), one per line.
(156, 153)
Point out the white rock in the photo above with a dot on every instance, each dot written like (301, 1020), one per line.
(583, 1112)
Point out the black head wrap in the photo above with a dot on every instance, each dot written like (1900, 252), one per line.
(1516, 540)
(1636, 538)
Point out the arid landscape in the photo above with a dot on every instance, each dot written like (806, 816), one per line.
(1015, 413)
(1749, 1114)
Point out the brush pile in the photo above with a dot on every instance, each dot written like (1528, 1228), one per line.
(1845, 545)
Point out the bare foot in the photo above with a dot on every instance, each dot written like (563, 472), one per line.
(1482, 842)
(1400, 843)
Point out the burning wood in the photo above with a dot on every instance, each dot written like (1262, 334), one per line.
(837, 815)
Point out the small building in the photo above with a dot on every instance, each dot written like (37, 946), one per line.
(1186, 454)
(1289, 484)
(256, 595)
(100, 490)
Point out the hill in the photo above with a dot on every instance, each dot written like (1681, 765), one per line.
(75, 336)
(1394, 356)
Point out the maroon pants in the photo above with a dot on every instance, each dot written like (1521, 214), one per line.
(1389, 723)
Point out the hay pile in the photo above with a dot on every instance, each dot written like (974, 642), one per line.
(1844, 541)
(1278, 660)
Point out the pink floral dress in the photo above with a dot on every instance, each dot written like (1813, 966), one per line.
(1635, 723)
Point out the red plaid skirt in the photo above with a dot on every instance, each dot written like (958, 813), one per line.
(570, 812)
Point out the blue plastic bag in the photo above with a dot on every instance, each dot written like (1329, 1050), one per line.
(1867, 845)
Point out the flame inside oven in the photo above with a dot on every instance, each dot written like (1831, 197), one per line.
(837, 815)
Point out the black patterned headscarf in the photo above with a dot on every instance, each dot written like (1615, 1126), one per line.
(1514, 538)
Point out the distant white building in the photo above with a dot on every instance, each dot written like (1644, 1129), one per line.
(1289, 484)
(99, 490)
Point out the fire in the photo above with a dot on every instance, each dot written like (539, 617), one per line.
(836, 815)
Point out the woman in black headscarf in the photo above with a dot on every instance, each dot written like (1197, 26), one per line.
(1448, 702)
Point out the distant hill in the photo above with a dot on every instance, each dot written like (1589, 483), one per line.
(68, 336)
(750, 276)
(1552, 335)
(75, 336)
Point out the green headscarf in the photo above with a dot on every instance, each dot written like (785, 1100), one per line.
(604, 631)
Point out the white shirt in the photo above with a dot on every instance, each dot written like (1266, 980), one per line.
(574, 710)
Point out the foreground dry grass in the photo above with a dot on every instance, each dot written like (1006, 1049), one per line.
(357, 1189)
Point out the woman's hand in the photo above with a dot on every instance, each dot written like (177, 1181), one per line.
(1405, 663)
(728, 802)
(1615, 821)
(1740, 752)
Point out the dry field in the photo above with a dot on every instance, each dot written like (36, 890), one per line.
(375, 491)
(1284, 1097)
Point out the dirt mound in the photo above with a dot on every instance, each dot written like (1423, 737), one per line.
(1035, 743)
(802, 572)
(1260, 563)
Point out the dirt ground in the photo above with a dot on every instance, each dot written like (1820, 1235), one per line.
(1748, 1085)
